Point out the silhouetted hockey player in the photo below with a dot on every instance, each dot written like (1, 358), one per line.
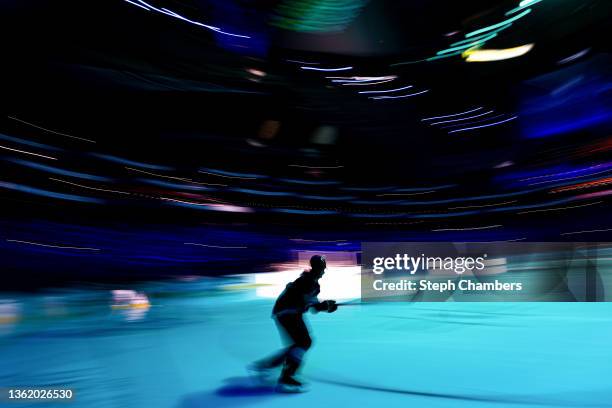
(298, 297)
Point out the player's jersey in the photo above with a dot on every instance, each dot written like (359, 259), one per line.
(298, 296)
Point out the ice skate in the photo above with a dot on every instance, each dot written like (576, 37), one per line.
(289, 385)
(262, 375)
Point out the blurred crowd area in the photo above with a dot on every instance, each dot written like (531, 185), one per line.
(157, 137)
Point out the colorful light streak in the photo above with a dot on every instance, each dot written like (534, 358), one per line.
(55, 170)
(327, 69)
(468, 44)
(173, 14)
(487, 55)
(387, 90)
(47, 193)
(589, 184)
(498, 25)
(53, 246)
(50, 130)
(400, 96)
(483, 126)
(522, 5)
(452, 115)
(28, 153)
(461, 119)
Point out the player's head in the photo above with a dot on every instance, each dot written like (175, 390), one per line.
(318, 264)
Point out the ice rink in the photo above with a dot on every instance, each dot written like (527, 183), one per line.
(190, 348)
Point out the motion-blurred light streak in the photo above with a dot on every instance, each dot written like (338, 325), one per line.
(262, 192)
(410, 189)
(437, 57)
(230, 174)
(468, 44)
(523, 4)
(528, 206)
(50, 131)
(46, 193)
(560, 208)
(177, 186)
(348, 68)
(256, 72)
(138, 5)
(362, 83)
(468, 228)
(405, 194)
(387, 90)
(173, 14)
(385, 188)
(302, 62)
(566, 86)
(568, 178)
(371, 215)
(315, 167)
(498, 25)
(29, 153)
(215, 29)
(55, 170)
(473, 40)
(581, 170)
(53, 246)
(325, 198)
(470, 198)
(594, 195)
(28, 143)
(230, 208)
(377, 202)
(483, 126)
(588, 184)
(362, 78)
(128, 162)
(503, 164)
(400, 96)
(88, 187)
(444, 215)
(483, 206)
(310, 182)
(317, 240)
(452, 115)
(161, 175)
(586, 231)
(305, 212)
(470, 123)
(486, 55)
(477, 38)
(215, 246)
(461, 119)
(209, 207)
(575, 56)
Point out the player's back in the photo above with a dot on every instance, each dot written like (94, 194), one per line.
(298, 295)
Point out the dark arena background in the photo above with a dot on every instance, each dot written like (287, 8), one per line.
(168, 166)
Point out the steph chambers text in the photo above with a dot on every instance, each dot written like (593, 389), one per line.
(449, 285)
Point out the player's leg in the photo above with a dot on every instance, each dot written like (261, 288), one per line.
(275, 360)
(263, 369)
(297, 330)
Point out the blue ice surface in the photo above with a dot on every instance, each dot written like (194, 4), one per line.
(191, 347)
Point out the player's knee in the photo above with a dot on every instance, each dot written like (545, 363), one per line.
(306, 343)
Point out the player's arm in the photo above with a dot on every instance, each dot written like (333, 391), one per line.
(311, 301)
(328, 306)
